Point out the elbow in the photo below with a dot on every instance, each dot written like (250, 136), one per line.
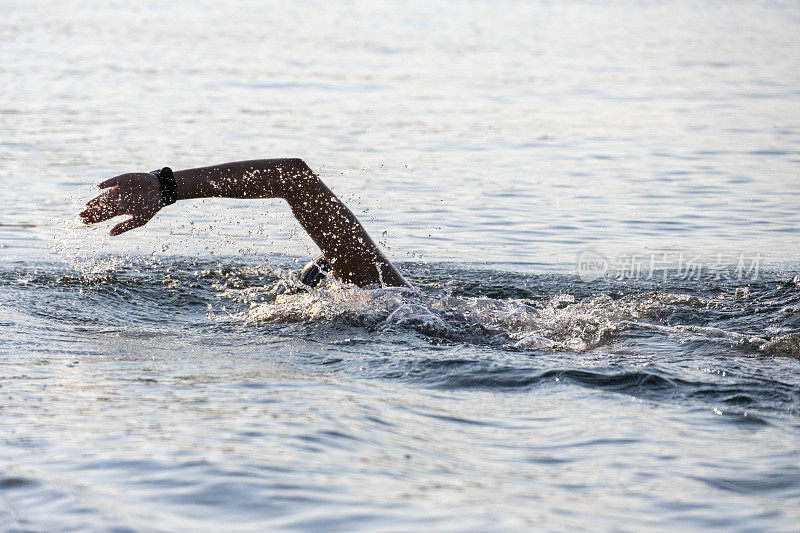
(300, 180)
(300, 166)
(301, 172)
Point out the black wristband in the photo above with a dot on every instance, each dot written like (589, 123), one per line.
(168, 185)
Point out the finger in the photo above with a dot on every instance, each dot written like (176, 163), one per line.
(127, 225)
(101, 212)
(97, 207)
(106, 198)
(116, 180)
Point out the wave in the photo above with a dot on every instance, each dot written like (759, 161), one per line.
(559, 322)
(551, 312)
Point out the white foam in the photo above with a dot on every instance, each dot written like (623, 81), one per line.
(559, 323)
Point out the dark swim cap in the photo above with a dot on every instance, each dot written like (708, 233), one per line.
(314, 271)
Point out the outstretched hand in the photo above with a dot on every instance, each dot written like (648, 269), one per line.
(137, 194)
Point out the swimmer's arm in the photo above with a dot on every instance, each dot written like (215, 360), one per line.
(259, 178)
(353, 255)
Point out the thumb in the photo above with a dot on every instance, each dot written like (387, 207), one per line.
(127, 225)
(112, 182)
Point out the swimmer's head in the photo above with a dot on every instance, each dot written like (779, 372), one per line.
(315, 271)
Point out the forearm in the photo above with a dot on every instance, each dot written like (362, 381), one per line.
(258, 178)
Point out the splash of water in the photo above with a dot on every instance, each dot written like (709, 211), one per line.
(559, 322)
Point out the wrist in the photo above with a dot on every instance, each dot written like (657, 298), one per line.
(167, 185)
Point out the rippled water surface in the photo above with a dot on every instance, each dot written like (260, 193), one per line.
(597, 205)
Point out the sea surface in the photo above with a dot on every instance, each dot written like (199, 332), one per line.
(597, 204)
